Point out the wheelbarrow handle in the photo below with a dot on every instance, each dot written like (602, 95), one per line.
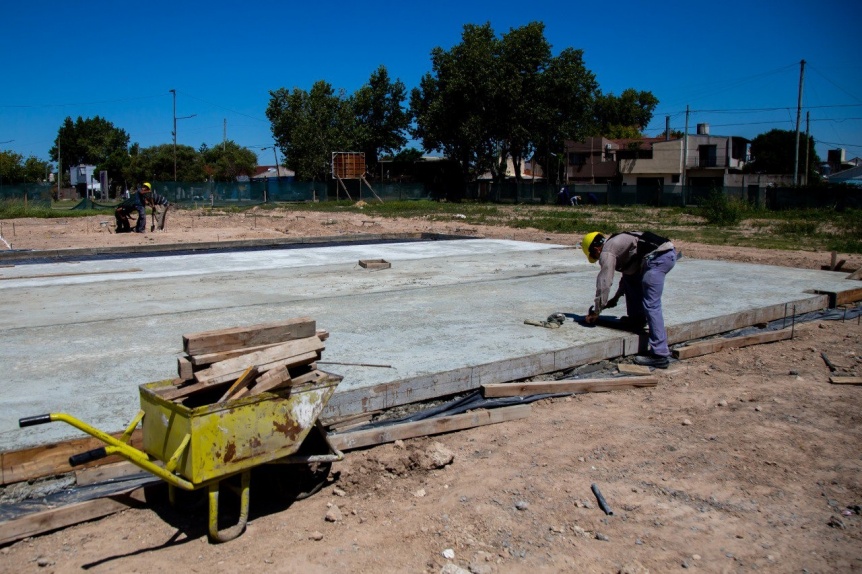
(85, 457)
(33, 421)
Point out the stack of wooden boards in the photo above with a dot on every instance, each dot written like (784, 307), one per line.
(229, 364)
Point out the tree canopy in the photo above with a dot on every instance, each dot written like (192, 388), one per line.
(310, 125)
(630, 112)
(775, 152)
(94, 141)
(490, 97)
(15, 169)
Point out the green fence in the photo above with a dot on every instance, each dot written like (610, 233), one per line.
(36, 194)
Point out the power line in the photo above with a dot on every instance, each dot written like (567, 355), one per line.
(94, 103)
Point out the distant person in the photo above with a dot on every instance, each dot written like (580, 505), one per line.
(138, 203)
(644, 259)
(564, 197)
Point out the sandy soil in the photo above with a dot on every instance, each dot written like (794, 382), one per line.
(738, 461)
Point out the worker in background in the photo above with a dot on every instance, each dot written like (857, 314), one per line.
(138, 202)
(644, 259)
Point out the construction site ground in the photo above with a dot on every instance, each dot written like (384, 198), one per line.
(737, 461)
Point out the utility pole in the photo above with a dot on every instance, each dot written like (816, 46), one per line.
(224, 137)
(174, 133)
(807, 145)
(798, 114)
(685, 150)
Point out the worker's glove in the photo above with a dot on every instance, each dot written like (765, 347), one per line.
(612, 302)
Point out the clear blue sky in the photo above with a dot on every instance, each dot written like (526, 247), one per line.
(118, 60)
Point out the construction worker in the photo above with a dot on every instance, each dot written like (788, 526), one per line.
(644, 259)
(138, 202)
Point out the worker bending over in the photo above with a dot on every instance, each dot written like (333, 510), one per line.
(644, 259)
(139, 202)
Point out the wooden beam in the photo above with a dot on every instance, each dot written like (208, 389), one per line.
(185, 369)
(254, 335)
(715, 345)
(567, 386)
(61, 517)
(210, 358)
(265, 360)
(53, 459)
(639, 370)
(370, 437)
(840, 380)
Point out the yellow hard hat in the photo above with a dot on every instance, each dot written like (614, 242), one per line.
(147, 185)
(588, 241)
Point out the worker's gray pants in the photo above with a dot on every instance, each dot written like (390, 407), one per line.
(643, 297)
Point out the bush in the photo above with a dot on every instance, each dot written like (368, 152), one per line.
(718, 209)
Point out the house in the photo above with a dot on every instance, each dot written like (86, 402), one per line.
(591, 161)
(852, 176)
(271, 171)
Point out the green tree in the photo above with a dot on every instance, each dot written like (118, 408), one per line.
(775, 152)
(156, 163)
(381, 119)
(309, 126)
(227, 161)
(94, 141)
(488, 98)
(619, 114)
(15, 169)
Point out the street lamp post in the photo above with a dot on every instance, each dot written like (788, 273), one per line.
(174, 133)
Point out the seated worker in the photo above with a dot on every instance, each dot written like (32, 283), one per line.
(138, 202)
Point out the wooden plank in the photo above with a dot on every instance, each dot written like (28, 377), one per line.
(567, 386)
(243, 382)
(260, 358)
(294, 361)
(53, 459)
(174, 393)
(628, 369)
(842, 380)
(55, 518)
(715, 345)
(106, 472)
(370, 437)
(274, 379)
(185, 369)
(856, 274)
(848, 296)
(251, 336)
(210, 358)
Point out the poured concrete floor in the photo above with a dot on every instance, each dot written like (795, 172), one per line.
(448, 316)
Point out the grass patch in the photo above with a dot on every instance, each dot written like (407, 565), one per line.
(17, 209)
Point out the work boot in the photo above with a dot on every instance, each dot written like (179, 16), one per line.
(651, 360)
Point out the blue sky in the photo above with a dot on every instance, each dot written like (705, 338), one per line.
(735, 64)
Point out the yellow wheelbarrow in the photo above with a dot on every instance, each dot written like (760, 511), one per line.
(201, 446)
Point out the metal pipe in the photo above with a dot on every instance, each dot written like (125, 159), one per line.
(602, 502)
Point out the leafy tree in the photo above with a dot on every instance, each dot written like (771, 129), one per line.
(15, 169)
(227, 161)
(452, 105)
(631, 109)
(93, 141)
(775, 152)
(309, 126)
(10, 167)
(488, 98)
(381, 120)
(156, 163)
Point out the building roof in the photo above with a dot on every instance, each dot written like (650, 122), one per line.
(268, 171)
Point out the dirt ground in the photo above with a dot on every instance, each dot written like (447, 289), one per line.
(743, 460)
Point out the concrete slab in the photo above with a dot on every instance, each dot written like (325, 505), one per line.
(447, 316)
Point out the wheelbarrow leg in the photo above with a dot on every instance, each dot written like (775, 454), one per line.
(234, 531)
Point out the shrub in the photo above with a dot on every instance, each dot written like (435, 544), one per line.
(718, 209)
